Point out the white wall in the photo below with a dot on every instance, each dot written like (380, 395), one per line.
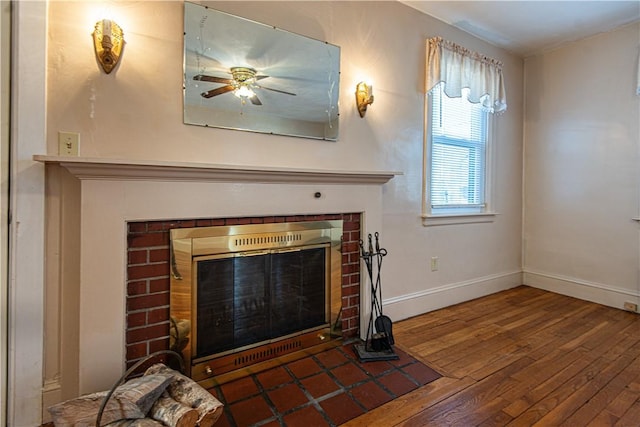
(136, 113)
(582, 174)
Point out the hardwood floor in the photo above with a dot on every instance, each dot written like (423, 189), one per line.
(521, 357)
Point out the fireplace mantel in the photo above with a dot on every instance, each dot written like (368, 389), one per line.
(120, 169)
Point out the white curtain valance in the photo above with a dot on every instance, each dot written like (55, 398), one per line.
(458, 68)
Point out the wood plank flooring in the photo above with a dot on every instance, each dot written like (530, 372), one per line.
(522, 357)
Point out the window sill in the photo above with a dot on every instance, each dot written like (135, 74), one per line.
(452, 219)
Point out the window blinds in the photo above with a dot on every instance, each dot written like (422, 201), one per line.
(458, 145)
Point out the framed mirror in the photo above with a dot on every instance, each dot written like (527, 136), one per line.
(244, 75)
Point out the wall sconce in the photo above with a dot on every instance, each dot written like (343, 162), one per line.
(364, 97)
(108, 42)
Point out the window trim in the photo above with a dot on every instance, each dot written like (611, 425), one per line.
(449, 216)
(452, 219)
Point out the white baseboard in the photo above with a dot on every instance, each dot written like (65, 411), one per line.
(409, 305)
(589, 291)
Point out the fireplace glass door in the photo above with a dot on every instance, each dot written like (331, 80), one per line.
(249, 298)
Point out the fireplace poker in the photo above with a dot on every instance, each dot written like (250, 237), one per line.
(383, 323)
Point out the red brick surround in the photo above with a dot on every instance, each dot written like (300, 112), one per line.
(148, 277)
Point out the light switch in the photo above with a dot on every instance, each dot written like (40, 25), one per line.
(68, 143)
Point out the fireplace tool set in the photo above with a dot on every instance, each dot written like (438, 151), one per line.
(379, 340)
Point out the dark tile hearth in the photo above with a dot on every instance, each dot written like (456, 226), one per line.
(325, 389)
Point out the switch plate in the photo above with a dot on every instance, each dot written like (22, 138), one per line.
(434, 263)
(68, 143)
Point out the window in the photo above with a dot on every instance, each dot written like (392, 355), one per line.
(464, 87)
(457, 159)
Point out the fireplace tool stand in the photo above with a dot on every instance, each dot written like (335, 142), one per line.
(379, 340)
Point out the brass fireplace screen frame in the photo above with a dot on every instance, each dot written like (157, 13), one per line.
(188, 245)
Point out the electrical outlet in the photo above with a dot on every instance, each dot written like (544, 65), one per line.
(631, 306)
(434, 263)
(68, 143)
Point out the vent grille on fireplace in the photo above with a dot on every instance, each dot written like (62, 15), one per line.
(242, 243)
(267, 353)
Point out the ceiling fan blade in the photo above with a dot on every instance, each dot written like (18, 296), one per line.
(254, 100)
(276, 90)
(218, 91)
(205, 78)
(261, 77)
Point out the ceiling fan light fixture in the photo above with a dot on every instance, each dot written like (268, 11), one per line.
(242, 85)
(243, 74)
(244, 91)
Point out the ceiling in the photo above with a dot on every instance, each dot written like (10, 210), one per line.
(530, 27)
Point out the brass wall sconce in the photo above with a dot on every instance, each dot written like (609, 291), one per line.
(108, 42)
(364, 97)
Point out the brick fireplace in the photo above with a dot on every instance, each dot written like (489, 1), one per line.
(108, 273)
(147, 312)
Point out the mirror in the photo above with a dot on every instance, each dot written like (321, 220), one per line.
(244, 75)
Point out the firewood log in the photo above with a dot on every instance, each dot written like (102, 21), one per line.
(142, 422)
(83, 410)
(186, 391)
(172, 413)
(145, 390)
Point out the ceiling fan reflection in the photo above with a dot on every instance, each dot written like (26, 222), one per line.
(242, 83)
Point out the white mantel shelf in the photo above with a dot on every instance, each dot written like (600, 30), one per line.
(141, 170)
